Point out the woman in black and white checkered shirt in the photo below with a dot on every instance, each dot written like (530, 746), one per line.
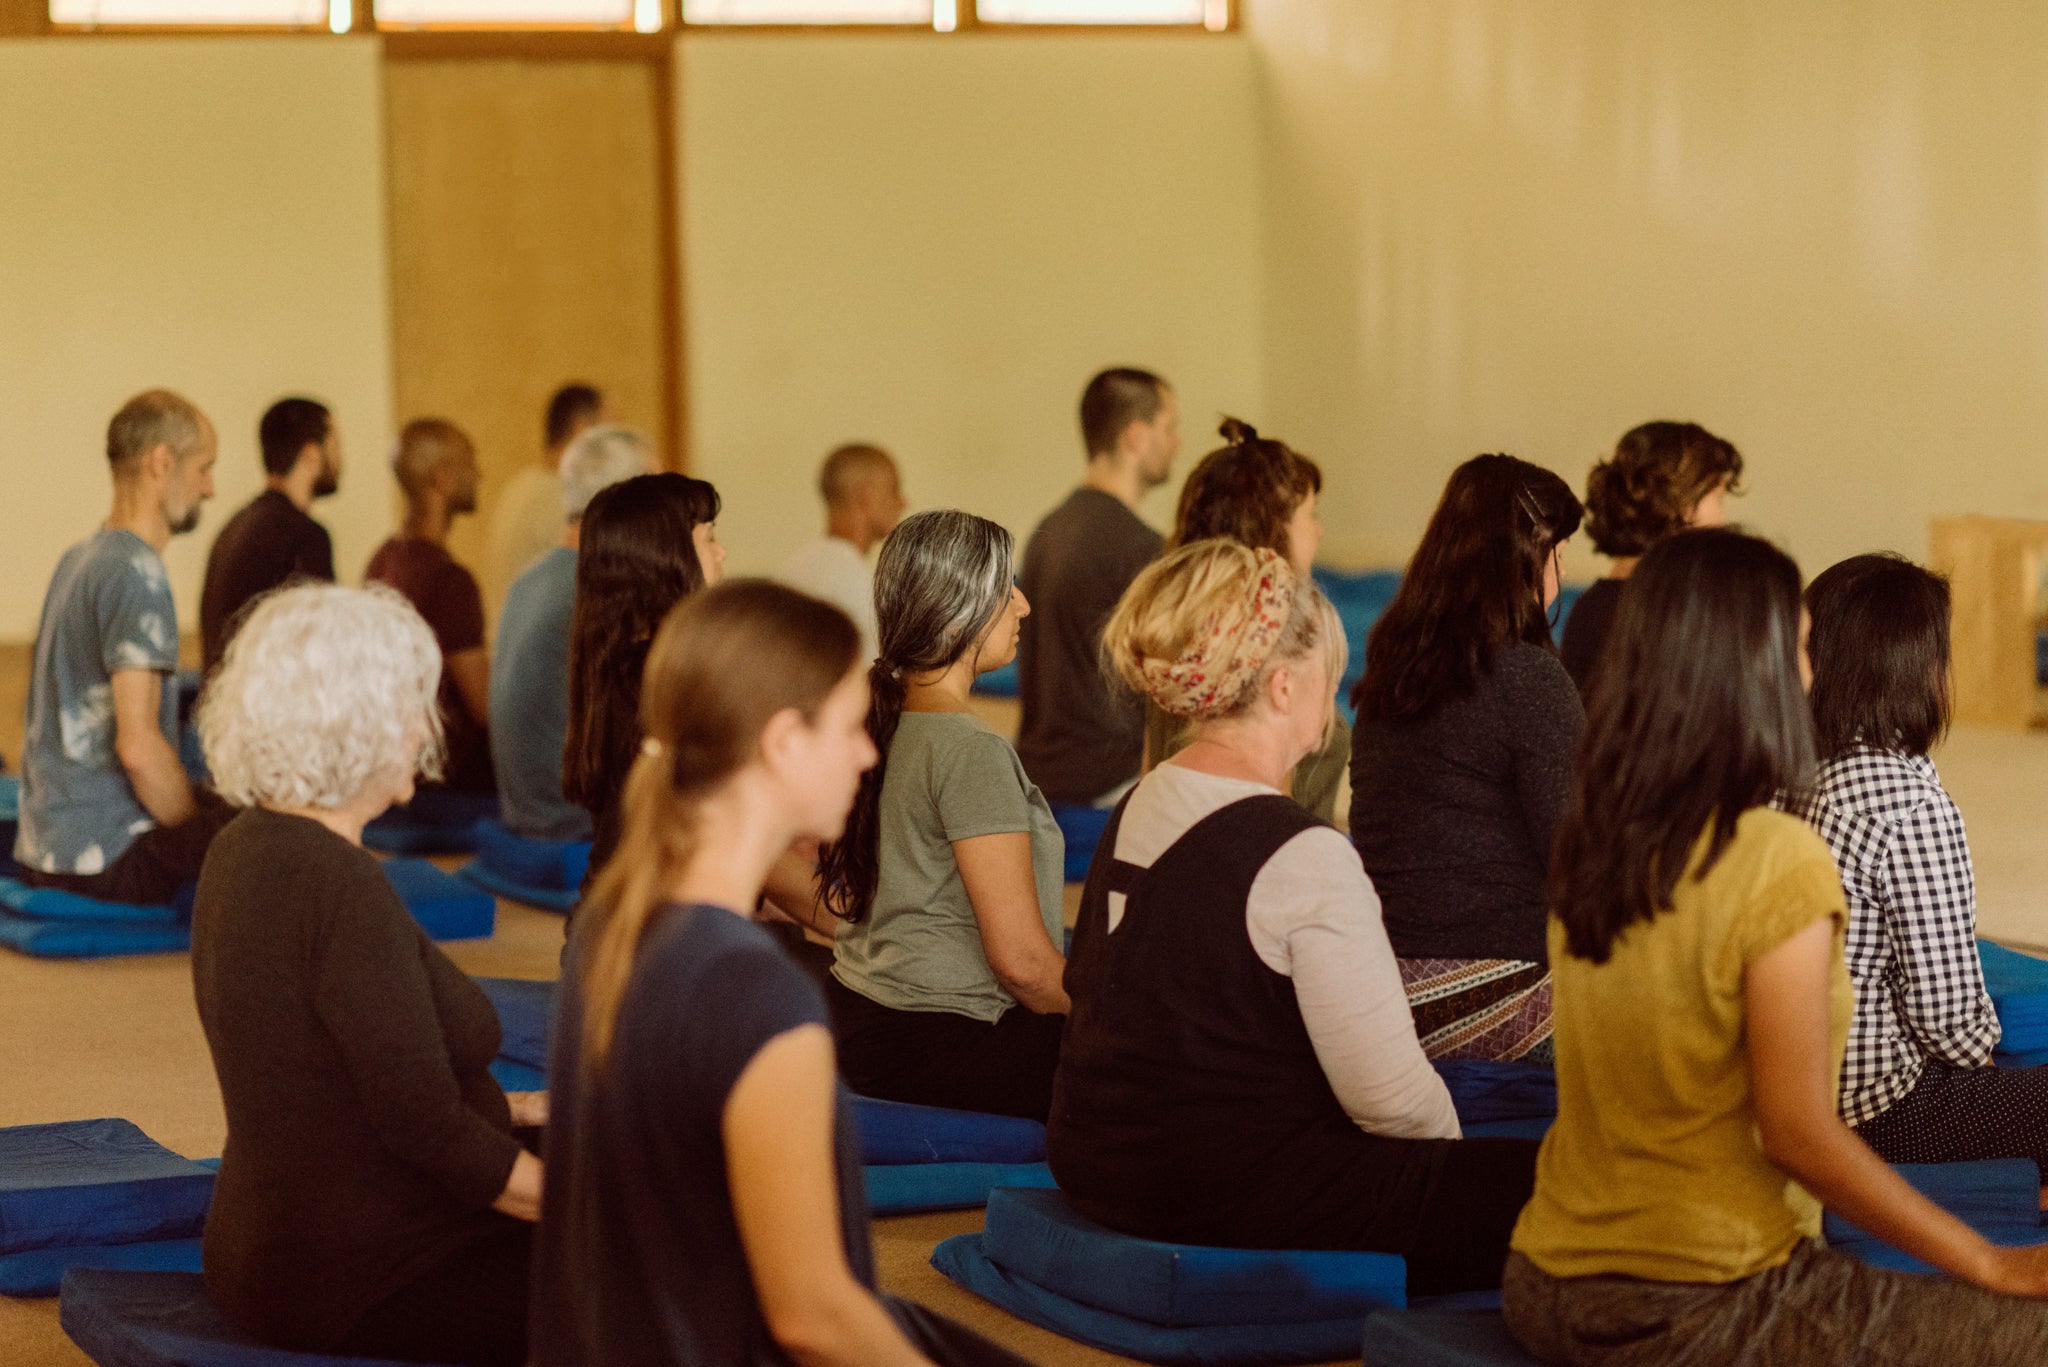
(1917, 1081)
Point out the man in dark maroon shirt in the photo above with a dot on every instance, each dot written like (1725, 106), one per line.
(437, 470)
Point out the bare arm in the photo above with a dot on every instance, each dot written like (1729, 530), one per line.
(145, 753)
(997, 872)
(779, 1161)
(521, 1197)
(471, 672)
(1785, 998)
(792, 889)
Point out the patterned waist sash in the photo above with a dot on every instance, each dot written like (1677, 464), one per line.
(1480, 1008)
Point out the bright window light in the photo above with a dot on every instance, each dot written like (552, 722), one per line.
(341, 16)
(538, 13)
(808, 11)
(283, 13)
(1093, 11)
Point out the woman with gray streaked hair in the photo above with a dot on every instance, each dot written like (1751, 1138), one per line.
(373, 1200)
(946, 973)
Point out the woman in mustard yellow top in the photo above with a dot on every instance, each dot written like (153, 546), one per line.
(1701, 1010)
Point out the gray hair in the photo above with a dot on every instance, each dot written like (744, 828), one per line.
(942, 577)
(598, 458)
(323, 690)
(153, 418)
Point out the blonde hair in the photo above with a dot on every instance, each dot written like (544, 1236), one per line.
(1201, 629)
(322, 690)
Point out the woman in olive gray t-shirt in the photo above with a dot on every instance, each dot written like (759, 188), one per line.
(946, 977)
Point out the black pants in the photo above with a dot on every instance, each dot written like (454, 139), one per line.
(157, 865)
(941, 1058)
(1965, 1115)
(468, 1312)
(944, 1342)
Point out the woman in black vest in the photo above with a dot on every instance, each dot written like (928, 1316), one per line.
(1240, 1067)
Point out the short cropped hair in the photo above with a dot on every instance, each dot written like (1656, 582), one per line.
(849, 467)
(1880, 649)
(598, 458)
(289, 426)
(423, 444)
(1113, 401)
(155, 417)
(571, 407)
(323, 690)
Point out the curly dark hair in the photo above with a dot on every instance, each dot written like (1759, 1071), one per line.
(1647, 490)
(1246, 490)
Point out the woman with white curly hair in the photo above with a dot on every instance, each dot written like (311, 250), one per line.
(373, 1199)
(1240, 1067)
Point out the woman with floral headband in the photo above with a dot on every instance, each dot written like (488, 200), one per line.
(1240, 1067)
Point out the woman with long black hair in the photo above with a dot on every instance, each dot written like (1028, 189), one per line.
(946, 977)
(1463, 750)
(1701, 1010)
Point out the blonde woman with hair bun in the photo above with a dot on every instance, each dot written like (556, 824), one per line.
(1240, 1067)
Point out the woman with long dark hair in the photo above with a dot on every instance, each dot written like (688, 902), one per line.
(1702, 1007)
(1259, 493)
(1662, 478)
(648, 542)
(1917, 1081)
(946, 976)
(1466, 728)
(704, 1201)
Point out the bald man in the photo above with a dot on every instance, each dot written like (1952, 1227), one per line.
(863, 500)
(106, 808)
(437, 471)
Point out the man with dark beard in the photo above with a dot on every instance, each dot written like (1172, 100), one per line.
(273, 540)
(437, 471)
(106, 808)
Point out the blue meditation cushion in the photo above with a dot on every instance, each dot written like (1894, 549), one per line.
(434, 822)
(999, 683)
(164, 1319)
(84, 1182)
(1441, 1338)
(963, 1261)
(51, 904)
(2018, 984)
(10, 798)
(1486, 1089)
(518, 1077)
(898, 1132)
(557, 864)
(40, 1271)
(69, 939)
(524, 1009)
(446, 907)
(1082, 828)
(1528, 1127)
(913, 1188)
(561, 901)
(2000, 1199)
(1035, 1235)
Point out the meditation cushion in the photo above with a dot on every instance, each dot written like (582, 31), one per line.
(1441, 1338)
(434, 822)
(2000, 1199)
(1528, 1127)
(40, 1271)
(560, 901)
(52, 904)
(897, 1132)
(10, 819)
(85, 1182)
(913, 1188)
(1488, 1090)
(446, 907)
(1082, 828)
(999, 683)
(524, 1009)
(2018, 984)
(557, 864)
(89, 939)
(518, 1077)
(164, 1319)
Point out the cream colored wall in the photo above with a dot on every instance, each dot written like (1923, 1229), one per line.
(932, 243)
(1820, 229)
(201, 213)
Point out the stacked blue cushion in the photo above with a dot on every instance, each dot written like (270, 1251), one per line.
(924, 1158)
(1169, 1303)
(434, 822)
(1441, 1338)
(540, 873)
(2018, 984)
(164, 1319)
(94, 1193)
(1999, 1199)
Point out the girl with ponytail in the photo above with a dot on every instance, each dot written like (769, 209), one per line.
(946, 977)
(704, 1199)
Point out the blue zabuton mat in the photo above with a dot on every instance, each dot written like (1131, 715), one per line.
(914, 1188)
(561, 901)
(164, 1319)
(86, 1182)
(556, 864)
(2018, 984)
(524, 1008)
(434, 822)
(1082, 828)
(1999, 1199)
(40, 1272)
(446, 907)
(1441, 1338)
(69, 939)
(897, 1132)
(1484, 1090)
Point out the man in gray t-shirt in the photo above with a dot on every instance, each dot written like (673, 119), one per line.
(106, 808)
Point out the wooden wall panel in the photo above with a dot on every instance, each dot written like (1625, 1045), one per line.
(527, 204)
(1994, 569)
